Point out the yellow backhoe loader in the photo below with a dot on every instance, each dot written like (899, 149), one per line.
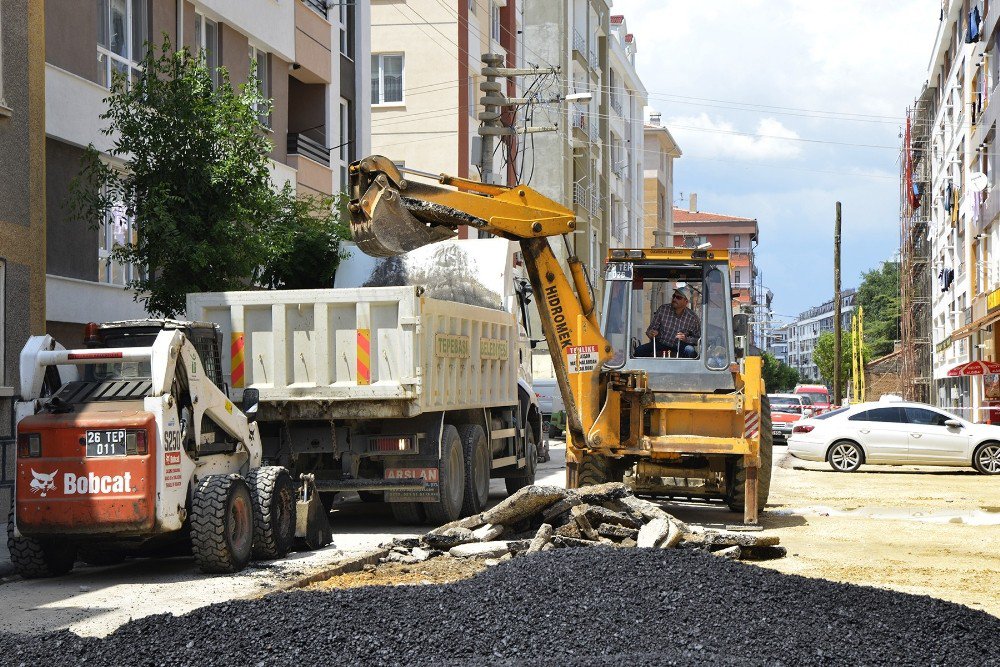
(682, 416)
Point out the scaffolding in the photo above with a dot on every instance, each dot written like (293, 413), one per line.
(915, 203)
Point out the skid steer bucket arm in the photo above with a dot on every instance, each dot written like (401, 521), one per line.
(391, 215)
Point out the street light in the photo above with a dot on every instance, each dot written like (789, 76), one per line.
(579, 97)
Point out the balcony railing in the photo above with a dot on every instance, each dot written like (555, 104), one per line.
(579, 43)
(300, 144)
(616, 104)
(739, 251)
(581, 196)
(318, 6)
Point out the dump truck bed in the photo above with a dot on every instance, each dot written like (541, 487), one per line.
(362, 353)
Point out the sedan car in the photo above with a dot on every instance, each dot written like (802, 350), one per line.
(786, 409)
(895, 433)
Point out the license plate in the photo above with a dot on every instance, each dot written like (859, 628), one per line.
(106, 443)
(773, 433)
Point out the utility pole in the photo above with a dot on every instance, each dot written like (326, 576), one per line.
(836, 309)
(493, 101)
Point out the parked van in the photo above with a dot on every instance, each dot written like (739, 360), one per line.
(819, 395)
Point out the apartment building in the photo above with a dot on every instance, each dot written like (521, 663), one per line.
(738, 235)
(777, 343)
(22, 204)
(311, 59)
(659, 152)
(806, 329)
(573, 165)
(426, 65)
(950, 196)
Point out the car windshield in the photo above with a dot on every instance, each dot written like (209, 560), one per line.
(817, 397)
(785, 404)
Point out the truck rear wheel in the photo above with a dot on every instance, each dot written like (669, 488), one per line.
(408, 514)
(478, 463)
(273, 493)
(736, 474)
(451, 481)
(525, 476)
(222, 524)
(35, 559)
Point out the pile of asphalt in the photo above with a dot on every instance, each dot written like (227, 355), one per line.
(566, 607)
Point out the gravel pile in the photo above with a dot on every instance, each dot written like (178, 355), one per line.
(602, 605)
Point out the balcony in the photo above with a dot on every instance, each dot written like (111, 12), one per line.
(581, 197)
(300, 144)
(616, 104)
(318, 6)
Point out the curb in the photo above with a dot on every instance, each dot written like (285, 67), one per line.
(346, 566)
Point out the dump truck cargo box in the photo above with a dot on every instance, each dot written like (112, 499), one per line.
(362, 353)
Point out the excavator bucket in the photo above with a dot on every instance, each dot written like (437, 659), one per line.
(383, 222)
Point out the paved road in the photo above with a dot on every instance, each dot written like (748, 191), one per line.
(96, 600)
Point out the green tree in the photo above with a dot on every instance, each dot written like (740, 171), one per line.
(778, 376)
(196, 178)
(879, 295)
(823, 356)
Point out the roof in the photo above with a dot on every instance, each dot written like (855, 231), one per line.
(682, 215)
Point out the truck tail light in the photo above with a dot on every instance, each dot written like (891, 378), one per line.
(135, 442)
(29, 445)
(803, 428)
(390, 444)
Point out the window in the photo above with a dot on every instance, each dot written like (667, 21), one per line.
(206, 38)
(346, 14)
(119, 228)
(122, 31)
(473, 102)
(925, 417)
(387, 78)
(495, 22)
(736, 277)
(472, 7)
(259, 61)
(736, 241)
(884, 415)
(345, 141)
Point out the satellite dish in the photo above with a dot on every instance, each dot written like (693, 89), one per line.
(979, 181)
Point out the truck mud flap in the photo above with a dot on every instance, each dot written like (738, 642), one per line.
(312, 526)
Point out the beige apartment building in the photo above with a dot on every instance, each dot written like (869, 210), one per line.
(658, 183)
(22, 204)
(426, 65)
(311, 59)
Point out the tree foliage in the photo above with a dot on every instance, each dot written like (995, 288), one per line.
(195, 176)
(879, 295)
(778, 376)
(823, 356)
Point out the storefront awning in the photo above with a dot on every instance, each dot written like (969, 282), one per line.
(975, 368)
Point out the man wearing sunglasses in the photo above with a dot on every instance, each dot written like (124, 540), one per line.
(674, 329)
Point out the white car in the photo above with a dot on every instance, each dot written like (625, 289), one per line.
(895, 433)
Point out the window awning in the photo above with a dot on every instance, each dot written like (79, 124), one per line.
(974, 368)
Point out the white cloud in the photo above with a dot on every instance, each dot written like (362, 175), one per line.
(711, 138)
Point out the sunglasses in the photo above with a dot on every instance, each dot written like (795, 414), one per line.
(680, 296)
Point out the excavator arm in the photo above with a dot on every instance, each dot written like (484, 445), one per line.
(391, 215)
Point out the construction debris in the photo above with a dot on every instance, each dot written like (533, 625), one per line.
(542, 518)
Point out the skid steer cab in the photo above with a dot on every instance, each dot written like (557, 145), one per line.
(131, 446)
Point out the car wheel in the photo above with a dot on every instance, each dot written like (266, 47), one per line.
(845, 457)
(987, 458)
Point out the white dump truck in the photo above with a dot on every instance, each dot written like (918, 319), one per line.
(408, 382)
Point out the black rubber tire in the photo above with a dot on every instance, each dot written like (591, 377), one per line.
(371, 496)
(222, 524)
(34, 559)
(736, 475)
(525, 476)
(274, 495)
(478, 465)
(840, 449)
(101, 557)
(408, 514)
(594, 469)
(451, 480)
(984, 460)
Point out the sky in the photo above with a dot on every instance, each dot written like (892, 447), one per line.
(782, 108)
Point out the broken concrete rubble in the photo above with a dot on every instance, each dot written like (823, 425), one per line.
(542, 518)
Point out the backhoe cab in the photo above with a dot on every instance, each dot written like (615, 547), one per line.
(668, 419)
